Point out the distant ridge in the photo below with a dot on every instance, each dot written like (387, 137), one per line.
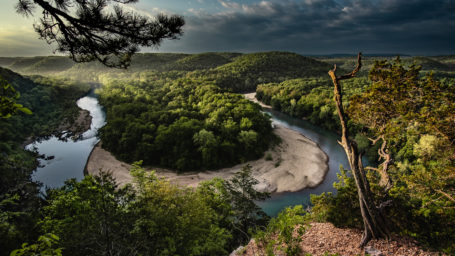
(344, 55)
(238, 71)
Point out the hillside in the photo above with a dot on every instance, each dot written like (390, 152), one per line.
(19, 82)
(289, 64)
(45, 65)
(51, 101)
(203, 61)
(245, 72)
(234, 71)
(438, 64)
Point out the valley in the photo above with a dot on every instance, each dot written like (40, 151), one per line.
(198, 119)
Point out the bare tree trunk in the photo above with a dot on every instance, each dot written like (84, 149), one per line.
(384, 154)
(373, 220)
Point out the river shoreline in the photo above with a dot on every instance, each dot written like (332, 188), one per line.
(65, 153)
(293, 165)
(75, 129)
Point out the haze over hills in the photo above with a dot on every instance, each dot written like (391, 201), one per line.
(283, 62)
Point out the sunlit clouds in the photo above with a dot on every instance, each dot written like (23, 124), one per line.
(304, 26)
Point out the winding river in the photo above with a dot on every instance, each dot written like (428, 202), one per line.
(328, 142)
(71, 156)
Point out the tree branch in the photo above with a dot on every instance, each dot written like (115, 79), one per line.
(91, 33)
(448, 196)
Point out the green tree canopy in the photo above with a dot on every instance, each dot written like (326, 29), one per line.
(8, 98)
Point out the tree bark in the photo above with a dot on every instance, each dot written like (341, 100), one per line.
(373, 220)
(384, 154)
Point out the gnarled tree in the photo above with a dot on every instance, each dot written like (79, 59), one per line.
(373, 220)
(98, 30)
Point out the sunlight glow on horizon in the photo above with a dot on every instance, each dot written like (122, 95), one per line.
(302, 26)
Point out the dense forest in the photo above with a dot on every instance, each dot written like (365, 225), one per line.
(183, 124)
(49, 102)
(160, 117)
(181, 111)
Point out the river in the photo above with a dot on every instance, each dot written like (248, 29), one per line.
(71, 156)
(328, 142)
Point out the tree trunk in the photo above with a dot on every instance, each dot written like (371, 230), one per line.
(373, 220)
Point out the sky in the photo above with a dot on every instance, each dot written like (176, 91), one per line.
(311, 27)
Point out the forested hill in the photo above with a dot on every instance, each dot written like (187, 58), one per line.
(236, 71)
(442, 66)
(249, 70)
(231, 71)
(51, 100)
(19, 82)
(140, 62)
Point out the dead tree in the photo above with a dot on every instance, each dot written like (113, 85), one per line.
(373, 220)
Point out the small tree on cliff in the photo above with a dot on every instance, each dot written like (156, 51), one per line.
(97, 30)
(373, 220)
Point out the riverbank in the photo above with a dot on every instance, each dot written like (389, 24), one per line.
(252, 97)
(80, 125)
(74, 129)
(296, 163)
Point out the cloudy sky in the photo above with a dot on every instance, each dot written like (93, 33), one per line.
(417, 27)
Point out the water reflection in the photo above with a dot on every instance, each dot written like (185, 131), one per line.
(70, 156)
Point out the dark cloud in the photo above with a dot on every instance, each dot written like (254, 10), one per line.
(324, 26)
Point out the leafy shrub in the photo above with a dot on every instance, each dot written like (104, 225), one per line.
(284, 232)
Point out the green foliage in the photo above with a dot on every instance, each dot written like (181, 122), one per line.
(44, 247)
(203, 61)
(415, 115)
(91, 217)
(174, 221)
(163, 124)
(97, 217)
(245, 72)
(309, 98)
(8, 98)
(243, 197)
(284, 232)
(442, 64)
(341, 209)
(51, 101)
(235, 200)
(18, 215)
